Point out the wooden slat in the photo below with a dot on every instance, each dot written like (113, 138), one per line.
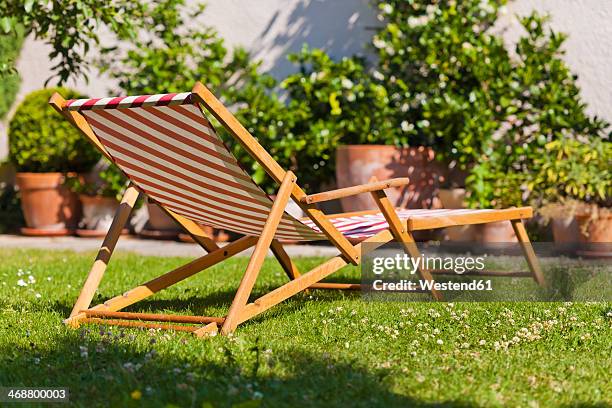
(530, 256)
(106, 250)
(398, 229)
(259, 254)
(345, 215)
(210, 329)
(310, 278)
(155, 285)
(354, 190)
(451, 220)
(331, 232)
(152, 317)
(203, 96)
(142, 325)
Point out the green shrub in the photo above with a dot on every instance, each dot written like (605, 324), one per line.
(11, 216)
(41, 140)
(454, 85)
(10, 45)
(108, 181)
(174, 54)
(329, 103)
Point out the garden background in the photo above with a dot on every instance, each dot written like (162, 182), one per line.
(492, 93)
(362, 81)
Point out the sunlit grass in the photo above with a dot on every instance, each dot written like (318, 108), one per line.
(320, 348)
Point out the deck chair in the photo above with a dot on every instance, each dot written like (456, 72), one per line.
(171, 153)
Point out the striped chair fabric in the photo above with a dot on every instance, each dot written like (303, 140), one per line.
(168, 148)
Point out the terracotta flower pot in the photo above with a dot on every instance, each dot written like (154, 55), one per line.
(496, 232)
(356, 164)
(159, 224)
(49, 207)
(159, 220)
(598, 231)
(98, 214)
(595, 236)
(565, 230)
(454, 198)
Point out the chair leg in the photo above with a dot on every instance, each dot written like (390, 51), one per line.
(401, 234)
(155, 285)
(310, 278)
(530, 256)
(259, 254)
(106, 250)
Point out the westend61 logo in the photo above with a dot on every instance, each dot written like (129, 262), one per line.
(402, 264)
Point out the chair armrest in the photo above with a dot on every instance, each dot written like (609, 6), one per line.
(349, 191)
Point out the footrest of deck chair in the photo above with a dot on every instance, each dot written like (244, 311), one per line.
(155, 321)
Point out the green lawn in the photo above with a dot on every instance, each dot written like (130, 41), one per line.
(321, 348)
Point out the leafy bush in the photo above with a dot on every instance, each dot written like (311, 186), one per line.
(10, 45)
(454, 85)
(444, 78)
(106, 180)
(11, 216)
(329, 103)
(40, 140)
(71, 27)
(173, 53)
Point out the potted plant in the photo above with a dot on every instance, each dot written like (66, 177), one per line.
(99, 191)
(595, 230)
(561, 216)
(45, 148)
(578, 168)
(452, 194)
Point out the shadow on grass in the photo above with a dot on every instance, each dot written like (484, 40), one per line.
(202, 304)
(106, 370)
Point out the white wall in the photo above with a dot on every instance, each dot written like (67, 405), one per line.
(588, 47)
(273, 28)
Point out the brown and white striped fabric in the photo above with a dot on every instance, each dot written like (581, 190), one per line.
(365, 225)
(169, 149)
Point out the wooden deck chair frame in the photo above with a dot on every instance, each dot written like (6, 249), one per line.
(241, 309)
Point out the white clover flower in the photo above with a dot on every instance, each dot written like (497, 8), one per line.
(439, 341)
(378, 43)
(387, 8)
(406, 127)
(347, 83)
(21, 282)
(377, 75)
